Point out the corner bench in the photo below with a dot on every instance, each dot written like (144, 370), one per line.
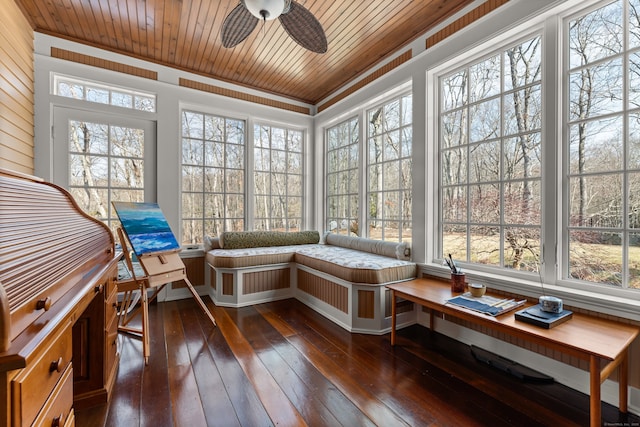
(343, 279)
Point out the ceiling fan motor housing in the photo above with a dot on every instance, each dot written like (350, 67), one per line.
(267, 10)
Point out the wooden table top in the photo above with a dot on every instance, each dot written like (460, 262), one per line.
(582, 335)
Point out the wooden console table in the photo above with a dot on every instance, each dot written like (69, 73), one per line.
(586, 337)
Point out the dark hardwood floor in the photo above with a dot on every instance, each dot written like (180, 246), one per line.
(283, 364)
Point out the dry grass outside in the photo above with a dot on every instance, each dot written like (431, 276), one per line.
(598, 263)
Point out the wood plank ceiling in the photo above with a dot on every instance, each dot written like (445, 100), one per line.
(185, 34)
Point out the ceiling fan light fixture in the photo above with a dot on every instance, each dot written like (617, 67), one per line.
(265, 9)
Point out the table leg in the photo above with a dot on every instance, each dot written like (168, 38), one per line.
(393, 317)
(595, 404)
(623, 380)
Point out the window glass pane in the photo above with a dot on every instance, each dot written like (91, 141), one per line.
(95, 94)
(484, 121)
(120, 99)
(484, 202)
(522, 157)
(595, 256)
(522, 249)
(596, 35)
(596, 201)
(522, 202)
(235, 181)
(454, 90)
(484, 162)
(523, 110)
(235, 131)
(191, 178)
(454, 167)
(484, 79)
(70, 90)
(484, 245)
(126, 141)
(144, 103)
(127, 173)
(87, 137)
(262, 159)
(455, 241)
(214, 179)
(523, 64)
(192, 124)
(192, 151)
(597, 146)
(596, 90)
(234, 156)
(454, 128)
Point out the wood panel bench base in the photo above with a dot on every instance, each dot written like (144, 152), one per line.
(359, 308)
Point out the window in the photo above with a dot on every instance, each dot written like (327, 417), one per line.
(490, 124)
(343, 177)
(278, 178)
(603, 121)
(102, 94)
(389, 143)
(213, 165)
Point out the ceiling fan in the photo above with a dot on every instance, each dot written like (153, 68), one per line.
(297, 21)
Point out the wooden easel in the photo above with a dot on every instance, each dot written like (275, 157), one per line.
(159, 270)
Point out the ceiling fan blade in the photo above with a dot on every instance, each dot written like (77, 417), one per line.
(237, 26)
(304, 28)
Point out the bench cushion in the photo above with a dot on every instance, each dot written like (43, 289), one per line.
(249, 257)
(355, 266)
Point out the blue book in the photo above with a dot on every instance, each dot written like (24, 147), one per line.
(535, 316)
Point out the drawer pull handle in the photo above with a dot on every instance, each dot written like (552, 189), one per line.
(44, 304)
(56, 365)
(57, 421)
(98, 288)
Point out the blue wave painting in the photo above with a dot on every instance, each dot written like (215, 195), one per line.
(146, 227)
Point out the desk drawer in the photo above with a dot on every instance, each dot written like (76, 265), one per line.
(33, 385)
(58, 410)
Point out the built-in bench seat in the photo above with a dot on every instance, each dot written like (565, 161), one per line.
(344, 278)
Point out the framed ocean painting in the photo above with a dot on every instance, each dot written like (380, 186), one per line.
(146, 227)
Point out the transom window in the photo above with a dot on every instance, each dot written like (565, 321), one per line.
(103, 94)
(490, 159)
